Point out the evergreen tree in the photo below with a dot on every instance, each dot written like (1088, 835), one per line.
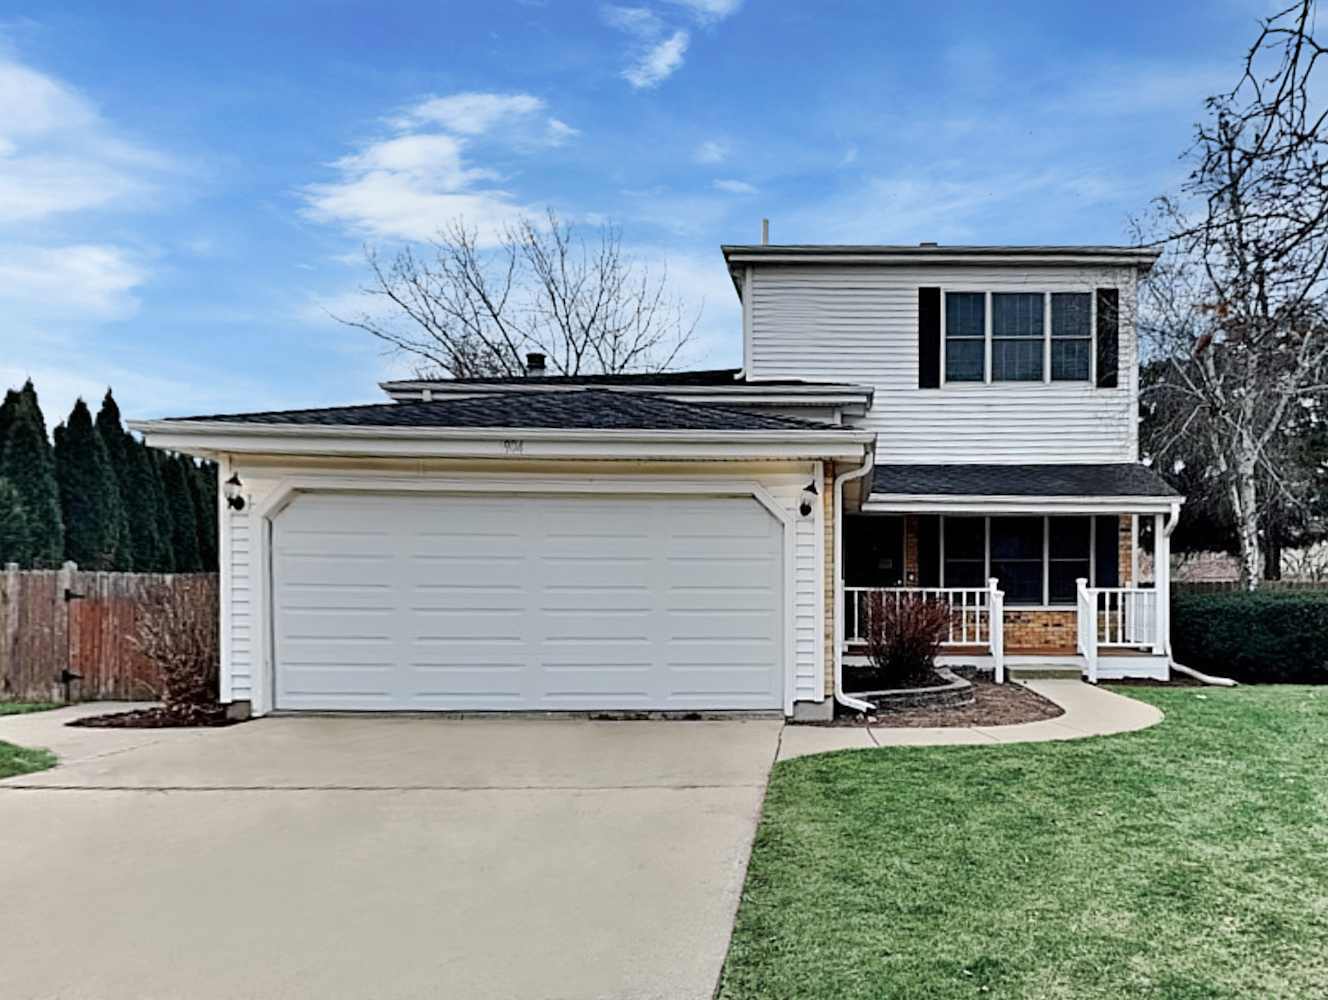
(150, 548)
(7, 415)
(27, 463)
(89, 494)
(184, 522)
(115, 440)
(203, 491)
(13, 525)
(156, 463)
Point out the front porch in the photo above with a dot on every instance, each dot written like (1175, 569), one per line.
(1038, 591)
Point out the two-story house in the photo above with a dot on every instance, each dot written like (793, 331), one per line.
(955, 421)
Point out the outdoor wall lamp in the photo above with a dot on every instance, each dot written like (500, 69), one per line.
(232, 488)
(809, 495)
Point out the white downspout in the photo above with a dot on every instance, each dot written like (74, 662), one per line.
(857, 704)
(1189, 671)
(1163, 573)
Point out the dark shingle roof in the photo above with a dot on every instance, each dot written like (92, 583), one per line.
(588, 409)
(1110, 480)
(720, 377)
(711, 376)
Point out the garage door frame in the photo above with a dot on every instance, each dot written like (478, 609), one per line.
(285, 491)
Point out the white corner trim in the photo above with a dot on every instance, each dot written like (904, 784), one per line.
(286, 490)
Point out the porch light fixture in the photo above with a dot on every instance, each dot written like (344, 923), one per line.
(809, 495)
(231, 488)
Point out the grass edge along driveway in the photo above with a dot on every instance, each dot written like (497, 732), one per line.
(1185, 861)
(16, 760)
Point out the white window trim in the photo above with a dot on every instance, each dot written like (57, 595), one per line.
(987, 291)
(1045, 604)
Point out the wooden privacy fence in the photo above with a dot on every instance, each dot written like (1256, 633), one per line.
(84, 622)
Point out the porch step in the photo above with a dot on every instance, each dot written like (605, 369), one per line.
(1040, 672)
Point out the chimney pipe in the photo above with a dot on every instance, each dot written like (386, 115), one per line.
(534, 365)
(765, 232)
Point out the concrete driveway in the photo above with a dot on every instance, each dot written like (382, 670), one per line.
(377, 858)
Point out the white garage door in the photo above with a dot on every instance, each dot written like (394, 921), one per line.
(527, 602)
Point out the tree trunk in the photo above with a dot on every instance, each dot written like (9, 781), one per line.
(1272, 556)
(1247, 525)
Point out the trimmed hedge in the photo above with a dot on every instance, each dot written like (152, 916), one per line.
(1268, 637)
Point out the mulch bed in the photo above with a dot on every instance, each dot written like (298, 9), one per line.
(994, 705)
(159, 718)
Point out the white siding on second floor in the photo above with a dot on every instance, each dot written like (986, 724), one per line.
(859, 323)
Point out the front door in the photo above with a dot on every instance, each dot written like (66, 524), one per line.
(873, 551)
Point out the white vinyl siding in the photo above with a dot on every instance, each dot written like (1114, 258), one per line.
(859, 324)
(238, 585)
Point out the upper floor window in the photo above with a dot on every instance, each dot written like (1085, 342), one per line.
(965, 336)
(1018, 336)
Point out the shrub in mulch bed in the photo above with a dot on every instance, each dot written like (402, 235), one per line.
(993, 705)
(195, 716)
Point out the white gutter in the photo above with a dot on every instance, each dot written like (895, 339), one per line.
(894, 503)
(857, 704)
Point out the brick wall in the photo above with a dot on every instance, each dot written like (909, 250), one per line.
(1041, 629)
(911, 547)
(1125, 550)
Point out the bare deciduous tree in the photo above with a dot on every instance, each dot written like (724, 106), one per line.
(465, 310)
(1238, 306)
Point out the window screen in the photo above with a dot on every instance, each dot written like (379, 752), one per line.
(1016, 558)
(1068, 546)
(965, 333)
(1017, 337)
(1071, 336)
(965, 552)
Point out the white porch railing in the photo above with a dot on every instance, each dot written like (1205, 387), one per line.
(976, 615)
(1118, 617)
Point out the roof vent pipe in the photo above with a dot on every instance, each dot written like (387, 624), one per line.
(765, 232)
(534, 365)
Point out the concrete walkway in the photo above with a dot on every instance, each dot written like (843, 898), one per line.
(389, 858)
(1089, 711)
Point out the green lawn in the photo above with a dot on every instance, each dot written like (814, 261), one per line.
(20, 760)
(1186, 861)
(23, 707)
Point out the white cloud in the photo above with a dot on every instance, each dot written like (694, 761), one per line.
(471, 113)
(59, 156)
(87, 280)
(709, 11)
(639, 21)
(559, 132)
(659, 62)
(711, 151)
(734, 187)
(410, 185)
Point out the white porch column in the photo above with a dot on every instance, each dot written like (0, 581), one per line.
(1162, 584)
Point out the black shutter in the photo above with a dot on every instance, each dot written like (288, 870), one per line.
(929, 550)
(1108, 337)
(1107, 554)
(929, 338)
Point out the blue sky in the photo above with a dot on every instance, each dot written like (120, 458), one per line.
(185, 189)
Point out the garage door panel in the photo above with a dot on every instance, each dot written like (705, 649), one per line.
(470, 602)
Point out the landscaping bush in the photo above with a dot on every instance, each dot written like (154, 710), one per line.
(1261, 637)
(178, 633)
(904, 634)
